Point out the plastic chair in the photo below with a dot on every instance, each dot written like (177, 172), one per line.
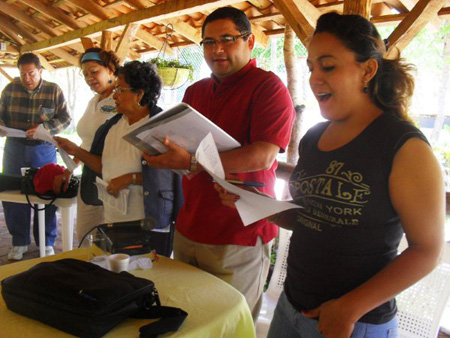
(420, 307)
(273, 292)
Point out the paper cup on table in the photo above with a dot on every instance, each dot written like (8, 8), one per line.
(119, 262)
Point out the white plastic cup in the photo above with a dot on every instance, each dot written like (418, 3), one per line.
(119, 262)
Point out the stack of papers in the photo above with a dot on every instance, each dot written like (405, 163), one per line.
(184, 126)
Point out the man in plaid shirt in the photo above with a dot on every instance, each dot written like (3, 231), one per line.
(25, 103)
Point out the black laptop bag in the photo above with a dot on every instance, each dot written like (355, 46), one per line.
(86, 300)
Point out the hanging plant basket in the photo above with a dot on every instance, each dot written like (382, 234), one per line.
(173, 78)
(173, 73)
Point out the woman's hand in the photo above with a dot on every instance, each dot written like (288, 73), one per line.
(61, 182)
(117, 184)
(66, 145)
(333, 319)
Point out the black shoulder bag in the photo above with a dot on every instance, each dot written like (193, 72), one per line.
(28, 189)
(86, 300)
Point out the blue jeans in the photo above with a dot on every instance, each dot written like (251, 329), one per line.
(289, 323)
(18, 216)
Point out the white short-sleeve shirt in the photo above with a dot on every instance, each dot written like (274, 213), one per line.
(119, 158)
(96, 113)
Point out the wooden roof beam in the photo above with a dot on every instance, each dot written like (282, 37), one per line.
(361, 7)
(91, 7)
(53, 13)
(160, 12)
(63, 54)
(153, 41)
(5, 74)
(125, 40)
(413, 23)
(10, 30)
(301, 15)
(261, 37)
(45, 63)
(21, 16)
(184, 29)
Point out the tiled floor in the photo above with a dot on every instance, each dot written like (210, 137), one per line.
(33, 250)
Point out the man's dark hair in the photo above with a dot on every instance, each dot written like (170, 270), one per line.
(237, 16)
(26, 59)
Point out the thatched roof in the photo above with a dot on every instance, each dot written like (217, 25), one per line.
(59, 30)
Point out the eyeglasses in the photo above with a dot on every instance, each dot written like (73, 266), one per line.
(119, 90)
(225, 40)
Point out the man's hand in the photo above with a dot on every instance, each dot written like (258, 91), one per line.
(176, 158)
(61, 182)
(117, 184)
(30, 132)
(66, 145)
(333, 320)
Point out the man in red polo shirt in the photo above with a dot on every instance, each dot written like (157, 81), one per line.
(255, 108)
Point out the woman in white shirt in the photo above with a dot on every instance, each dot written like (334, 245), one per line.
(99, 69)
(152, 193)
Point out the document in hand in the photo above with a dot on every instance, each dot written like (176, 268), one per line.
(251, 206)
(184, 126)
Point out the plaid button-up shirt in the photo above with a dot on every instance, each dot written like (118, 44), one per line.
(22, 110)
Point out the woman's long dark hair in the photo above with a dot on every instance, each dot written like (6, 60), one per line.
(393, 85)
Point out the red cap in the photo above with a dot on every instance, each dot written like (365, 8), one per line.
(43, 180)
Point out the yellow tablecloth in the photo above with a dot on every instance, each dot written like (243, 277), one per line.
(215, 309)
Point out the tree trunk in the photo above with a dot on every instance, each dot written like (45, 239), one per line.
(440, 116)
(293, 85)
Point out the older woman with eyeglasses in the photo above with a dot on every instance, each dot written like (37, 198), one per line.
(152, 192)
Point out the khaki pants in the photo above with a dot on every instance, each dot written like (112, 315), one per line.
(244, 267)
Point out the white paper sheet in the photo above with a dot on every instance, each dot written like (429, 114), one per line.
(120, 203)
(11, 132)
(44, 134)
(251, 206)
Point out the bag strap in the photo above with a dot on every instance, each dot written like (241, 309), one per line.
(52, 200)
(171, 320)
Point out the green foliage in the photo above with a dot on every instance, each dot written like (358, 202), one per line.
(175, 63)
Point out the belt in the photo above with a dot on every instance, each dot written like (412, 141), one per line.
(26, 141)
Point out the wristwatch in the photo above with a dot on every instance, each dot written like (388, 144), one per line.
(193, 166)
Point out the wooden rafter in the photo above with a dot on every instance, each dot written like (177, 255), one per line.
(156, 13)
(153, 41)
(125, 40)
(301, 15)
(53, 13)
(93, 8)
(411, 25)
(261, 37)
(185, 30)
(5, 74)
(10, 30)
(45, 63)
(28, 20)
(361, 7)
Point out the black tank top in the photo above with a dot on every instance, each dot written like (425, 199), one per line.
(348, 229)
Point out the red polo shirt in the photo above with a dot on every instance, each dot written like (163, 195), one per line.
(251, 105)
